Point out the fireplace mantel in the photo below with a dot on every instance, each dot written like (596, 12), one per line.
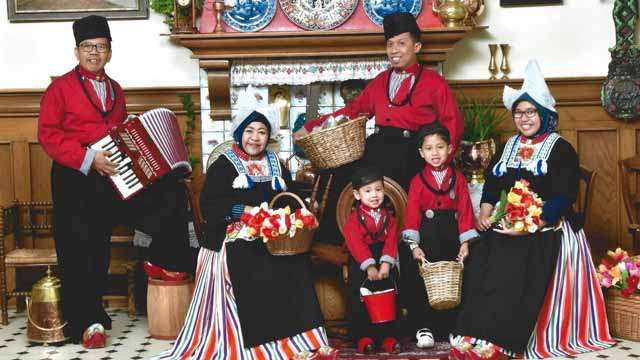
(216, 51)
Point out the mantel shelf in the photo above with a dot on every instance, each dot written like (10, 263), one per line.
(308, 44)
(215, 51)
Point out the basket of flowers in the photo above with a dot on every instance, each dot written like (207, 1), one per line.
(338, 142)
(622, 279)
(283, 231)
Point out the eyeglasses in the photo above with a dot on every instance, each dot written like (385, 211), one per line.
(88, 47)
(530, 113)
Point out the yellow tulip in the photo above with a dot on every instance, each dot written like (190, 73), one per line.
(514, 198)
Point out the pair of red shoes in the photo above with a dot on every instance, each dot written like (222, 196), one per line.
(94, 337)
(156, 272)
(390, 345)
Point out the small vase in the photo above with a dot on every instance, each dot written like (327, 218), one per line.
(475, 158)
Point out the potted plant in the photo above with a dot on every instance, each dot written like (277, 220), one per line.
(482, 116)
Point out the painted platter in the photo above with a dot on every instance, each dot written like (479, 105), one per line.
(376, 10)
(250, 15)
(318, 14)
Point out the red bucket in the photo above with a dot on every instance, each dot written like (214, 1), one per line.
(381, 306)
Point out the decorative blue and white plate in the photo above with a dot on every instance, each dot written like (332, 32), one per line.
(318, 14)
(250, 15)
(377, 9)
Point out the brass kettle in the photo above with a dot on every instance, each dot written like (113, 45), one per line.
(452, 13)
(44, 314)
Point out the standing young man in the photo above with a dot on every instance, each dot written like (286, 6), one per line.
(402, 99)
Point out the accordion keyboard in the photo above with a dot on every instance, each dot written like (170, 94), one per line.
(126, 180)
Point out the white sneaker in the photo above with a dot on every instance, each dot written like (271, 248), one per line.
(425, 338)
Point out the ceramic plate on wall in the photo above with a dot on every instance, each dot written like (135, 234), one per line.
(250, 15)
(377, 9)
(318, 14)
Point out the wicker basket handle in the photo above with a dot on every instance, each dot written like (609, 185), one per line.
(290, 194)
(424, 263)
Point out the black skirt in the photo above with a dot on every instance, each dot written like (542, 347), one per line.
(359, 322)
(505, 281)
(440, 242)
(275, 295)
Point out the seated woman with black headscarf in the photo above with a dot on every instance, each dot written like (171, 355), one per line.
(531, 290)
(247, 303)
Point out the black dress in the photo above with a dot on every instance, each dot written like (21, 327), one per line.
(506, 277)
(274, 294)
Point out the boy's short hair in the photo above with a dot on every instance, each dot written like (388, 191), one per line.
(434, 128)
(364, 176)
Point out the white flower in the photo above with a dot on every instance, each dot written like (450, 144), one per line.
(230, 3)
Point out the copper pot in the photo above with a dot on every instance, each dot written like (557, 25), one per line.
(306, 175)
(44, 315)
(475, 158)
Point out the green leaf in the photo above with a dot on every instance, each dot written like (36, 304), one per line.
(501, 211)
(482, 116)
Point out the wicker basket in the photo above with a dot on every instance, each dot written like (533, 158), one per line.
(623, 314)
(283, 245)
(443, 281)
(335, 146)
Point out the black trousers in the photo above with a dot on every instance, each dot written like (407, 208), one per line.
(86, 209)
(359, 322)
(439, 243)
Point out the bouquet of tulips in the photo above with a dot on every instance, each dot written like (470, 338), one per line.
(623, 273)
(269, 223)
(520, 209)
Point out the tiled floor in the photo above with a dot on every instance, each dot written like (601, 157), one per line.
(129, 339)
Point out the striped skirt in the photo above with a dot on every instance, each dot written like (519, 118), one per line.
(573, 318)
(212, 328)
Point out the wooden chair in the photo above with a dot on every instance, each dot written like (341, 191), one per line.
(628, 169)
(588, 177)
(20, 222)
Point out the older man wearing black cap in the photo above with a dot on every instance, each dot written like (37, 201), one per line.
(76, 110)
(402, 99)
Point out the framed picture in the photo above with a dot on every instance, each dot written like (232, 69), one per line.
(50, 10)
(529, 2)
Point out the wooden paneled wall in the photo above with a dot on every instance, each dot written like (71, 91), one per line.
(599, 139)
(25, 167)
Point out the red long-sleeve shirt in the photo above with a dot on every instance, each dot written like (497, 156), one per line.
(431, 100)
(421, 199)
(358, 239)
(68, 121)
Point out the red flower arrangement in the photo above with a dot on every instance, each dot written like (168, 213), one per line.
(270, 223)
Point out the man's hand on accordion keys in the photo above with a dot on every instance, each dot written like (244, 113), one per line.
(103, 165)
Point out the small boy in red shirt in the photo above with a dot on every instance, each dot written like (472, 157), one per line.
(371, 236)
(439, 224)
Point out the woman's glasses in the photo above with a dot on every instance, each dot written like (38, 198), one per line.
(530, 113)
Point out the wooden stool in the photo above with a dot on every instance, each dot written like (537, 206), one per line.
(167, 305)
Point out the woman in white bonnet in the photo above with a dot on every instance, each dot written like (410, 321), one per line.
(247, 304)
(532, 294)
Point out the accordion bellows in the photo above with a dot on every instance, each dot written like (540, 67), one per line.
(146, 148)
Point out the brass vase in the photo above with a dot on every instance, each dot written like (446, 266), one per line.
(475, 158)
(452, 13)
(493, 66)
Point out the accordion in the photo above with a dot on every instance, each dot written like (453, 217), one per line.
(145, 149)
